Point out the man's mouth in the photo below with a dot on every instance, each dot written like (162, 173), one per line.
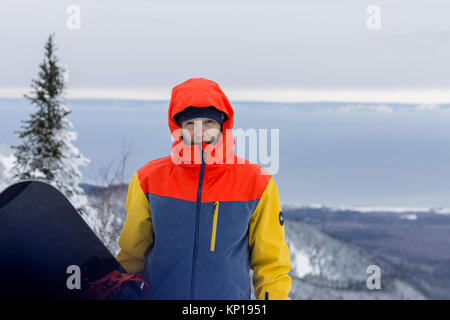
(208, 140)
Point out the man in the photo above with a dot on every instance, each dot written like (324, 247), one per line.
(198, 220)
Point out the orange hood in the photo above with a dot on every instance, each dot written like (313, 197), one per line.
(201, 92)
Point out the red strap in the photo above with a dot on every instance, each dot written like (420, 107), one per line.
(109, 286)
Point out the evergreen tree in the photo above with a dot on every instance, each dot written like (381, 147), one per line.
(46, 152)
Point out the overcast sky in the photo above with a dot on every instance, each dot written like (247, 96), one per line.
(264, 50)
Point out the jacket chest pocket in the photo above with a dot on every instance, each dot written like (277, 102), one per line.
(227, 225)
(214, 228)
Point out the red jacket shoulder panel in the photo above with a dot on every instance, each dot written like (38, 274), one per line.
(243, 181)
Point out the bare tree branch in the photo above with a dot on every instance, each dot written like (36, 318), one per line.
(108, 200)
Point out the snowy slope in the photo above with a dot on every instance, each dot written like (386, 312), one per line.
(326, 268)
(414, 241)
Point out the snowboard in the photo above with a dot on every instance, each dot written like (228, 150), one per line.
(47, 250)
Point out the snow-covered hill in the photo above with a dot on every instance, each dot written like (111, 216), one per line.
(326, 268)
(414, 241)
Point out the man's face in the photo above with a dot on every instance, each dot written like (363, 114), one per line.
(201, 129)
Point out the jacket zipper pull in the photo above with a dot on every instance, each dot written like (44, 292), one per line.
(214, 230)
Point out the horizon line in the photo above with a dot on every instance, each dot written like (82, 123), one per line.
(409, 96)
(398, 209)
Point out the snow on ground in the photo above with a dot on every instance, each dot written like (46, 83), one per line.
(6, 164)
(301, 262)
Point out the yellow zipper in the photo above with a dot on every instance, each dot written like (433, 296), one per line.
(214, 230)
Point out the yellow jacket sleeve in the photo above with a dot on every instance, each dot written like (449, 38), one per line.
(137, 232)
(269, 253)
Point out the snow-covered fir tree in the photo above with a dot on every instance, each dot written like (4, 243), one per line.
(46, 151)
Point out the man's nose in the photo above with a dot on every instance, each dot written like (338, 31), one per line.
(199, 127)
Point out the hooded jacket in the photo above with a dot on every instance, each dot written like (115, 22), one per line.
(198, 220)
